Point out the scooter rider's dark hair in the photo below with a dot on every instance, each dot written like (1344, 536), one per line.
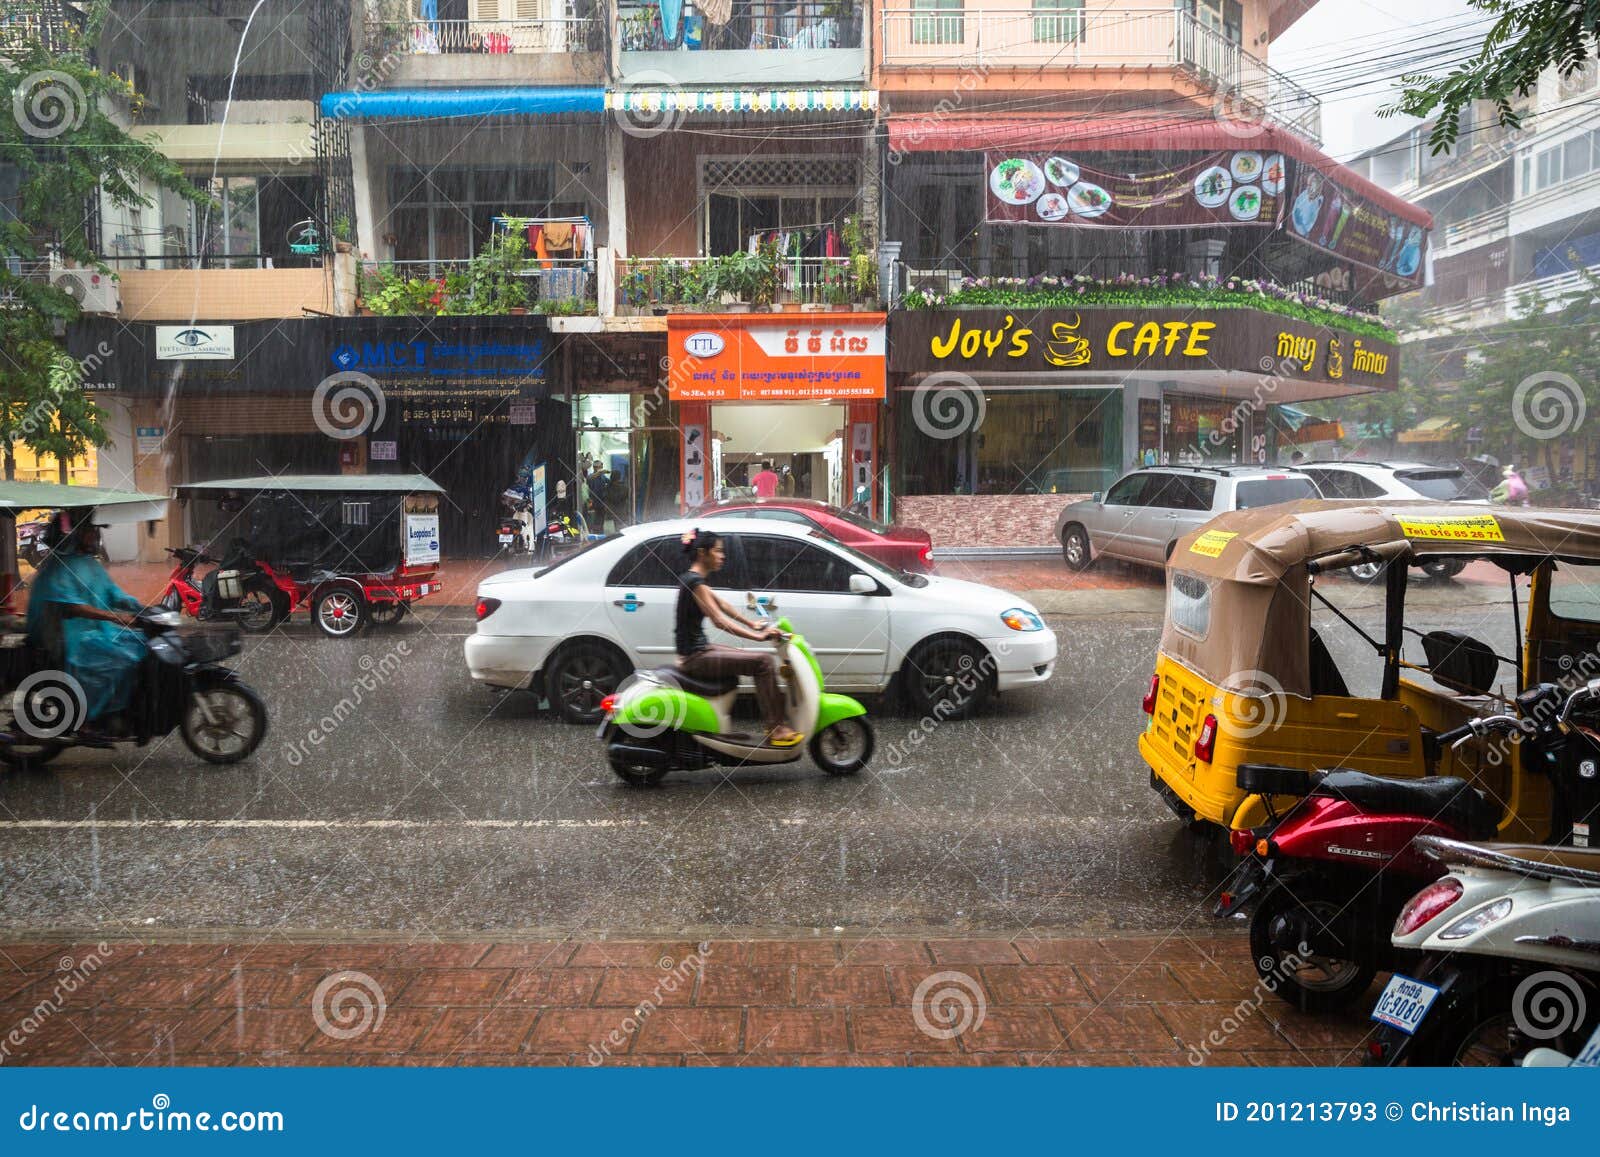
(696, 540)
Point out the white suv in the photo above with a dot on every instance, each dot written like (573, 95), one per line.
(1419, 480)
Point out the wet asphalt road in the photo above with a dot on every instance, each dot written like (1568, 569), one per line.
(437, 809)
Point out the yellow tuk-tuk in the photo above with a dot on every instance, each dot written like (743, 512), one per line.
(1243, 676)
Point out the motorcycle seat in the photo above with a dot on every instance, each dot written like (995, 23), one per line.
(1442, 798)
(706, 688)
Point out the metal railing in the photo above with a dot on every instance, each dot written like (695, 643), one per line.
(1555, 291)
(1066, 38)
(1479, 227)
(175, 261)
(557, 279)
(753, 24)
(553, 34)
(647, 283)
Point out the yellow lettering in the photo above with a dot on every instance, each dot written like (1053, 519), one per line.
(1112, 347)
(1146, 340)
(944, 347)
(1199, 335)
(1019, 343)
(1174, 329)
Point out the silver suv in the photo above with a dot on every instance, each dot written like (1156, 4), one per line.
(1145, 513)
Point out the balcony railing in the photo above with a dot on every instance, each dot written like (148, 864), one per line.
(432, 286)
(555, 34)
(1468, 232)
(1555, 291)
(752, 24)
(647, 284)
(1070, 38)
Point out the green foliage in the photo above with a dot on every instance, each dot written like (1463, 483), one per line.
(1528, 36)
(64, 148)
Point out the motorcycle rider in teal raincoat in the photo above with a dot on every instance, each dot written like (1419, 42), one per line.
(82, 618)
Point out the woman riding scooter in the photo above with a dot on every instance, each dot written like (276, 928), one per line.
(698, 658)
(76, 613)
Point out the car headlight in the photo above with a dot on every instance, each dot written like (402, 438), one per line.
(1478, 921)
(1020, 620)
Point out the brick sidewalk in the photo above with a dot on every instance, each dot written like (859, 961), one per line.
(1123, 1001)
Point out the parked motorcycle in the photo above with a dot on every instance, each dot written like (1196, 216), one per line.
(237, 588)
(1509, 944)
(514, 532)
(565, 533)
(665, 720)
(1334, 872)
(181, 684)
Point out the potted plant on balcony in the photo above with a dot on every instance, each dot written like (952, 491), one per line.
(862, 263)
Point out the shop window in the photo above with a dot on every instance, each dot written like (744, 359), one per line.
(786, 564)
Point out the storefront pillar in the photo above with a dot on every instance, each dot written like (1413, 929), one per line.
(694, 446)
(863, 453)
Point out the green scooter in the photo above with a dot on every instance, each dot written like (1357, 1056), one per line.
(664, 720)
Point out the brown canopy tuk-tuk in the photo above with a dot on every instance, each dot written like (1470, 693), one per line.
(1244, 677)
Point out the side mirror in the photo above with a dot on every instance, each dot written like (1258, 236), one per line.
(861, 584)
(1098, 496)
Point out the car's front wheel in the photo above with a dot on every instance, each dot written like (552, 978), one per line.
(948, 678)
(1075, 547)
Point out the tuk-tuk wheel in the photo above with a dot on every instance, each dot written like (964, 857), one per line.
(29, 756)
(339, 612)
(386, 614)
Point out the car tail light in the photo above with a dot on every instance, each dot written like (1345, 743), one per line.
(1427, 904)
(1205, 744)
(485, 608)
(1150, 695)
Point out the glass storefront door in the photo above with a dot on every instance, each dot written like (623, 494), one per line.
(627, 453)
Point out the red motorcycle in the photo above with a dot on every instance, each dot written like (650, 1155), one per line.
(250, 593)
(1333, 873)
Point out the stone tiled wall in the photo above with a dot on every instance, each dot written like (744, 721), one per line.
(985, 519)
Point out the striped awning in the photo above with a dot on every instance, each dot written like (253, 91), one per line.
(725, 100)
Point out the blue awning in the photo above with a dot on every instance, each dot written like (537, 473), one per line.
(443, 103)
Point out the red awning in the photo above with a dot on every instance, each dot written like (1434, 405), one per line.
(1101, 132)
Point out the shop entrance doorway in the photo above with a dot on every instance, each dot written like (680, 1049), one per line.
(801, 441)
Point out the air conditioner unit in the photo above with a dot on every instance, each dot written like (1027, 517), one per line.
(94, 292)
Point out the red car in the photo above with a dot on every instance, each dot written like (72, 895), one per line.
(901, 547)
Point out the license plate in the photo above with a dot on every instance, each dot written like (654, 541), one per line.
(423, 589)
(1404, 1002)
(1589, 1056)
(506, 539)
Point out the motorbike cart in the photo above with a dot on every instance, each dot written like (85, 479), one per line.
(181, 683)
(350, 548)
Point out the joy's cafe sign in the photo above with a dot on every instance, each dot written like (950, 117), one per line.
(775, 357)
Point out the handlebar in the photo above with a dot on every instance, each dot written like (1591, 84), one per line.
(1456, 736)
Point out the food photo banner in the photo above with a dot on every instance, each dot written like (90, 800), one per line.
(1240, 187)
(1328, 216)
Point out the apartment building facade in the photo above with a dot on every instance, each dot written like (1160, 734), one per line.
(1517, 229)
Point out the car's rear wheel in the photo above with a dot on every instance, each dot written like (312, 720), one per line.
(1075, 547)
(948, 678)
(580, 676)
(1444, 569)
(1368, 572)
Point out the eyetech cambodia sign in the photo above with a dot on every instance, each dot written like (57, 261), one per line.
(1100, 341)
(775, 357)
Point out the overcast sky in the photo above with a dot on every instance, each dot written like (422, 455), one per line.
(1350, 32)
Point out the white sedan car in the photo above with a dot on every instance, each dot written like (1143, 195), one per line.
(575, 630)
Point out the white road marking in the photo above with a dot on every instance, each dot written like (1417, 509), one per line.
(320, 825)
